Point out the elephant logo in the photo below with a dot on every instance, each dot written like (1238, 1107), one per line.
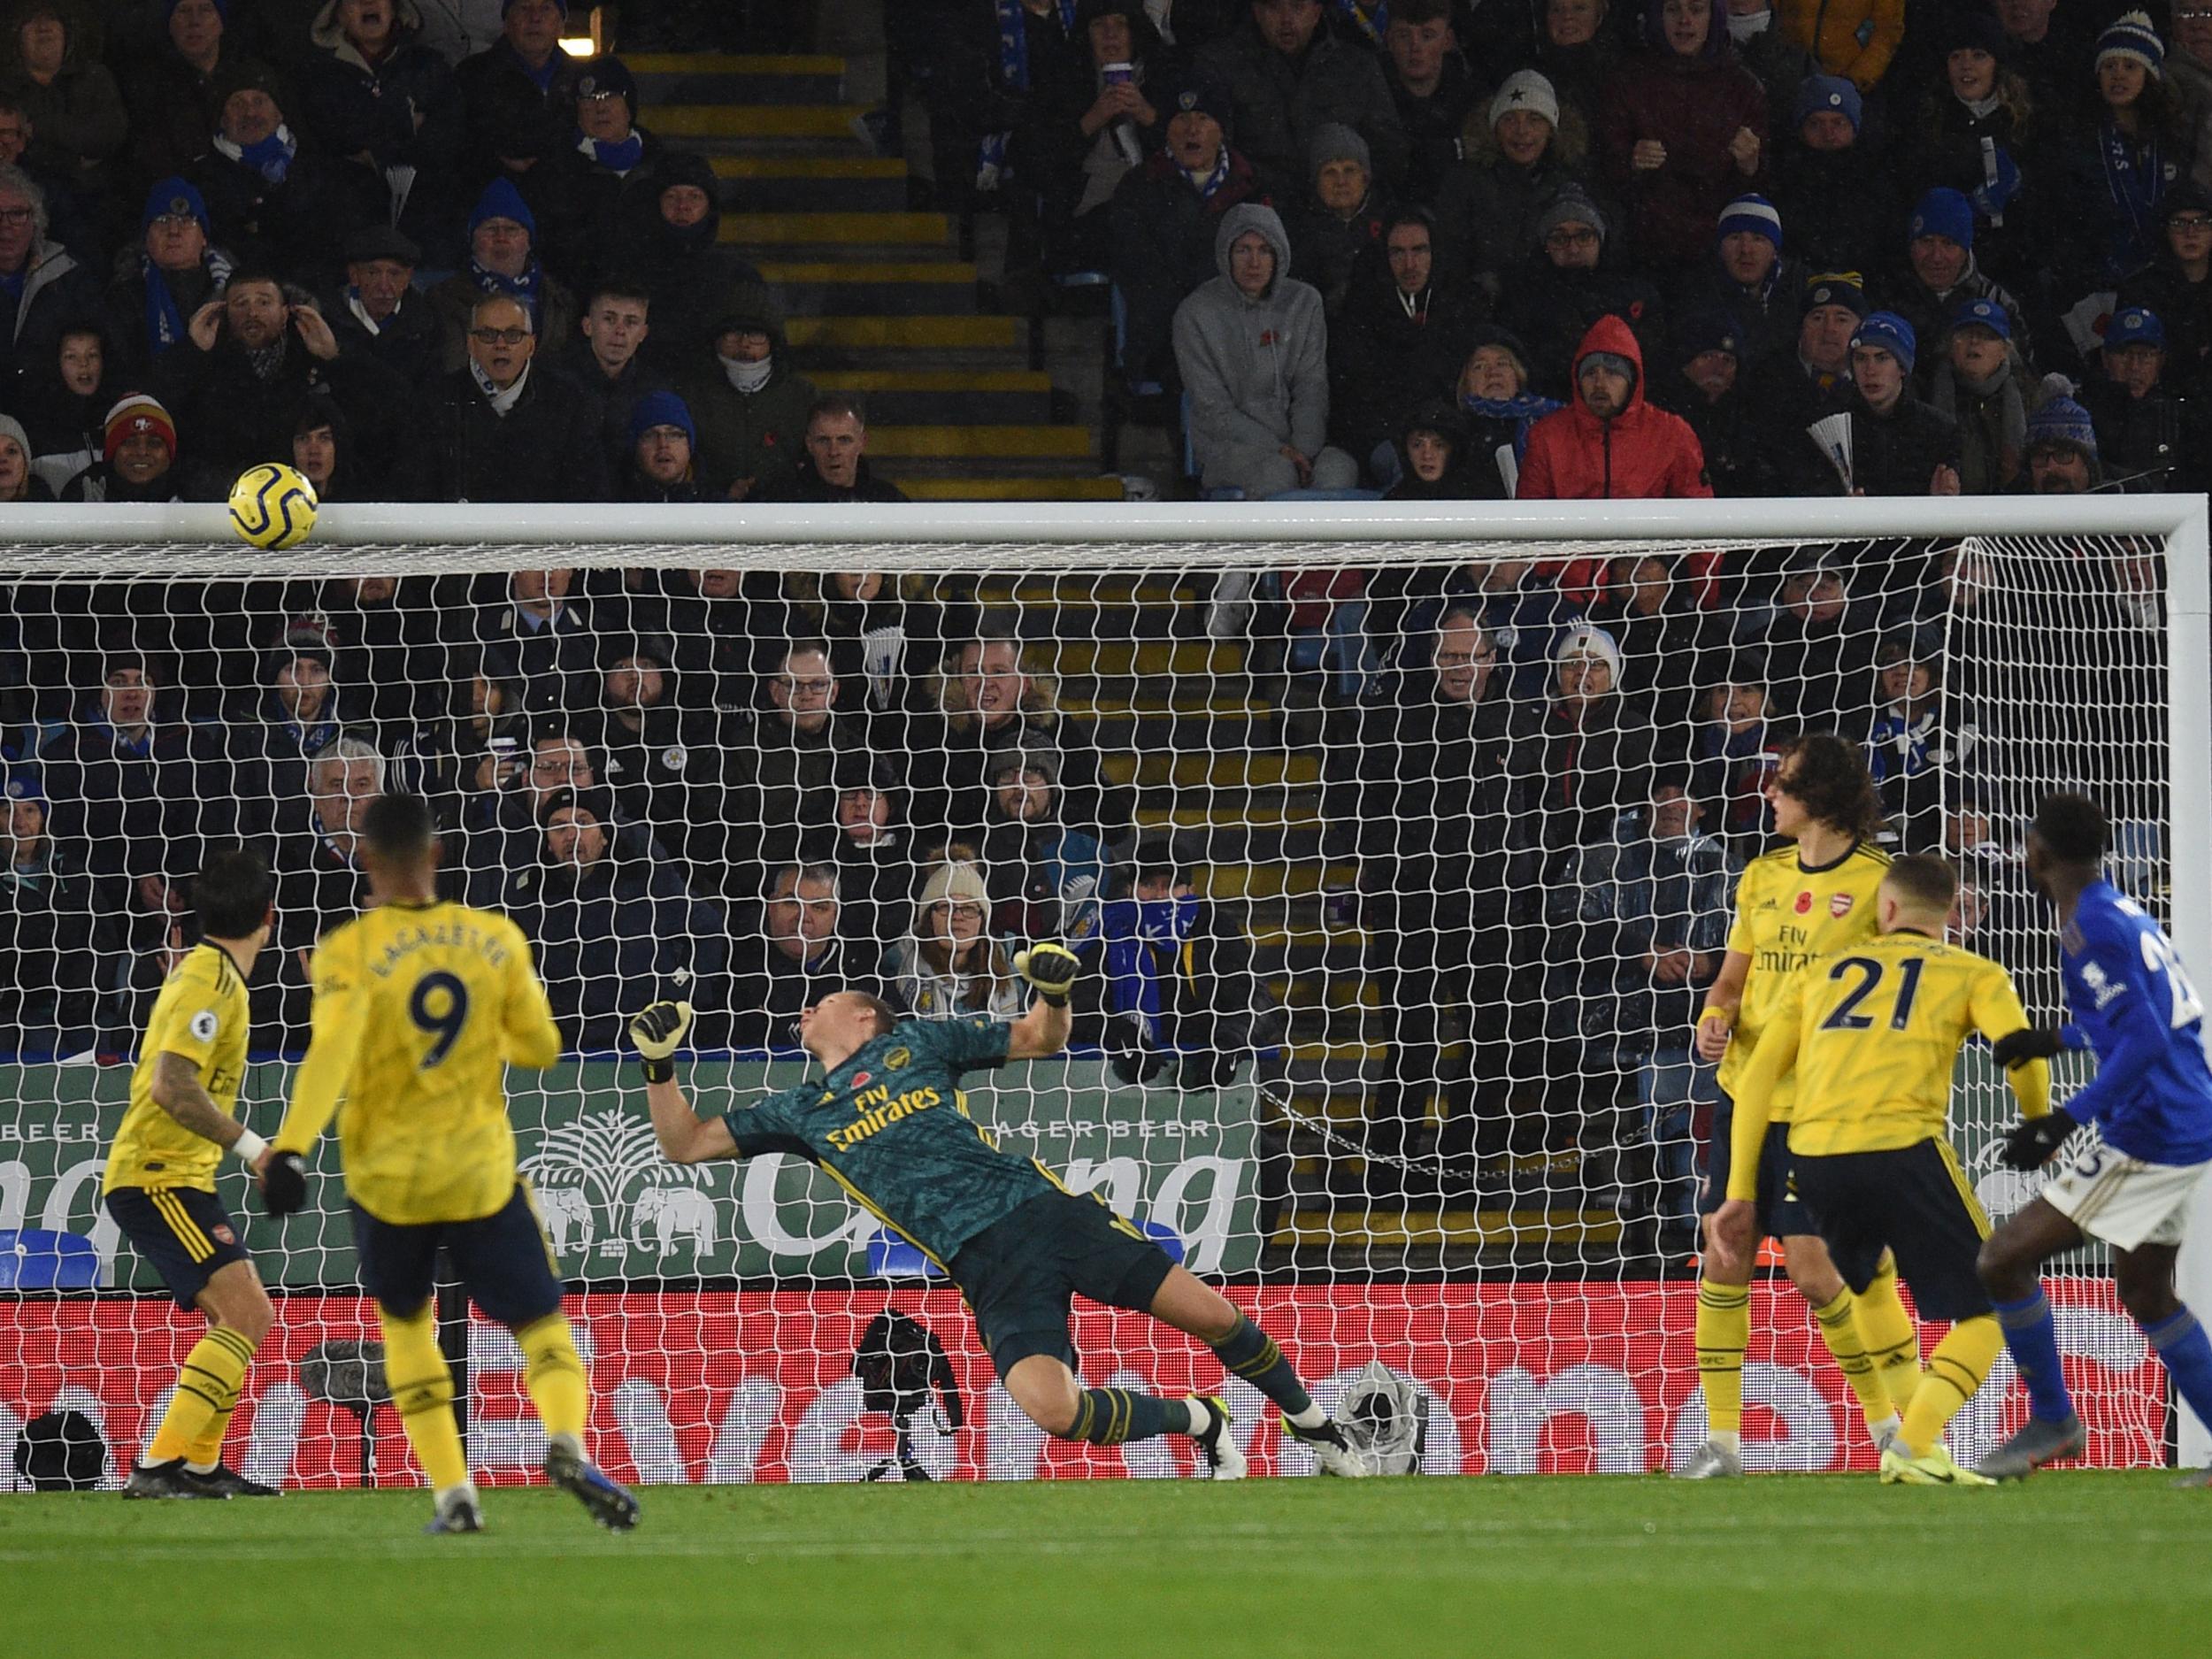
(601, 1182)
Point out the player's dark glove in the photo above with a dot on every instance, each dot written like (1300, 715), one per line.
(656, 1032)
(2030, 1143)
(1052, 969)
(284, 1184)
(2030, 1042)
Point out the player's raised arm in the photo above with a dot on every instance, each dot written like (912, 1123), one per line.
(1051, 971)
(658, 1031)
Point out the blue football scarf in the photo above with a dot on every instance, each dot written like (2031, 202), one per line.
(527, 291)
(616, 157)
(1526, 408)
(2135, 180)
(1013, 68)
(1144, 940)
(270, 157)
(164, 319)
(1371, 23)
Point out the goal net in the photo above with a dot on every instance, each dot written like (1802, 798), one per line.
(1399, 851)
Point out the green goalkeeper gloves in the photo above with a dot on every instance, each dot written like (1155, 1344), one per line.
(1052, 969)
(658, 1031)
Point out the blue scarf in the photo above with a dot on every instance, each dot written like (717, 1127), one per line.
(1214, 180)
(526, 291)
(164, 320)
(270, 157)
(617, 158)
(1897, 747)
(1013, 67)
(2135, 179)
(1144, 942)
(1526, 408)
(1371, 25)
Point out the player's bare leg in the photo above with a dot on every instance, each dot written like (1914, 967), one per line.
(2010, 1266)
(1245, 1350)
(184, 1459)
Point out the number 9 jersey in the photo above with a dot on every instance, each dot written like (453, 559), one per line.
(419, 1011)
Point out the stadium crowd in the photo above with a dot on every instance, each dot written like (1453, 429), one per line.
(1555, 251)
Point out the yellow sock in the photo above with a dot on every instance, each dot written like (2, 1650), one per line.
(422, 1390)
(1958, 1367)
(207, 1392)
(1886, 1331)
(1724, 1331)
(1841, 1331)
(554, 1377)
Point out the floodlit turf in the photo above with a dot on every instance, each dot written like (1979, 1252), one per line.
(2071, 1563)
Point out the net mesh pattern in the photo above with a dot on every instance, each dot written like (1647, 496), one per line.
(1398, 871)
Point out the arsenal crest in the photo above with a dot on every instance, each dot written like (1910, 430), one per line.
(223, 1235)
(1839, 906)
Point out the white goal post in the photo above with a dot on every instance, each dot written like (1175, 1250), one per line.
(1126, 543)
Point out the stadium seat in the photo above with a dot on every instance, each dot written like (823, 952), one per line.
(39, 1259)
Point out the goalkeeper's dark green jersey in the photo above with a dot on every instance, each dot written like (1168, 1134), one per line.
(892, 1125)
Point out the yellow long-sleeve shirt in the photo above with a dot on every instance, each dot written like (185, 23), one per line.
(419, 1010)
(1873, 1035)
(1855, 39)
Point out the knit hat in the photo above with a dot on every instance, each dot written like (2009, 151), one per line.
(2134, 326)
(502, 200)
(606, 77)
(505, 6)
(1043, 762)
(953, 884)
(2062, 420)
(24, 784)
(1584, 639)
(2131, 35)
(1944, 213)
(1886, 331)
(1708, 331)
(1524, 89)
(10, 427)
(1819, 93)
(1753, 213)
(1569, 206)
(1970, 28)
(2183, 196)
(137, 413)
(173, 198)
(1982, 314)
(222, 10)
(1505, 340)
(1195, 91)
(661, 409)
(1332, 141)
(1835, 288)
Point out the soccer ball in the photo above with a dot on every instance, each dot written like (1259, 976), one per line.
(273, 506)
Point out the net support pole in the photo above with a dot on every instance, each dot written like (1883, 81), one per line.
(2189, 732)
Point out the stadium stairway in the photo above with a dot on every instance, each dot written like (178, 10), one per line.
(879, 301)
(1220, 757)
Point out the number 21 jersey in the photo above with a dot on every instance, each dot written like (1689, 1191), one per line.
(419, 1010)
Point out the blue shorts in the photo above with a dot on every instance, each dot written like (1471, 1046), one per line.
(503, 1259)
(184, 1234)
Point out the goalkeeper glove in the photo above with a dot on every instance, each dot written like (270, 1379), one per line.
(656, 1032)
(284, 1185)
(2030, 1042)
(2030, 1143)
(1052, 969)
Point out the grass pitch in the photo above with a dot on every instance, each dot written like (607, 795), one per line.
(2077, 1565)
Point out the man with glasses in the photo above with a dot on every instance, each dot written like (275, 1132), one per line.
(2176, 285)
(1550, 302)
(41, 283)
(504, 428)
(783, 771)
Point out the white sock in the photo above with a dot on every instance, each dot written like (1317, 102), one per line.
(566, 1442)
(204, 1469)
(1891, 1424)
(1730, 1441)
(455, 1495)
(1312, 1417)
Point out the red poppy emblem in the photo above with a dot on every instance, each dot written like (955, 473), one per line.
(223, 1235)
(861, 1082)
(1839, 906)
(1804, 904)
(1267, 337)
(768, 439)
(1636, 310)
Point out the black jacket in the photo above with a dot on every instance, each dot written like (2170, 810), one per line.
(546, 449)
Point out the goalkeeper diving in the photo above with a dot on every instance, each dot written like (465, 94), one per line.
(888, 1121)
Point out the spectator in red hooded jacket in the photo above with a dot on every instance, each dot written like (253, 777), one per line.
(1609, 444)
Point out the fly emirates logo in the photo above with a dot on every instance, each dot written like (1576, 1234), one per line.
(877, 1109)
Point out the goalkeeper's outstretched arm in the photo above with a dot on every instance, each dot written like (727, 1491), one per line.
(1051, 971)
(658, 1031)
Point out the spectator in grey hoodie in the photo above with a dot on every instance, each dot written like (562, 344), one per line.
(1253, 349)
